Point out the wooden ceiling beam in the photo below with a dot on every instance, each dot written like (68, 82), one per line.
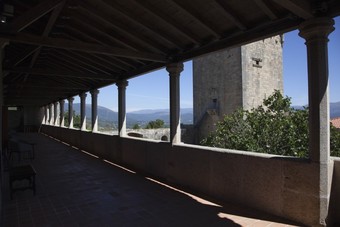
(197, 17)
(47, 72)
(136, 20)
(121, 28)
(25, 54)
(266, 9)
(183, 31)
(84, 47)
(231, 16)
(79, 62)
(53, 18)
(33, 14)
(301, 8)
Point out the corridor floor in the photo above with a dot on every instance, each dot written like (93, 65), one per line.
(76, 189)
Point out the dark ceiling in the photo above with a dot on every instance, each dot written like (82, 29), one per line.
(61, 48)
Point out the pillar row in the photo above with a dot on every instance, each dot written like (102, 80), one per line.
(175, 70)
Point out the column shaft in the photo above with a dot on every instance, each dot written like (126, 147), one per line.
(175, 70)
(315, 32)
(56, 113)
(70, 112)
(62, 118)
(94, 95)
(122, 107)
(83, 111)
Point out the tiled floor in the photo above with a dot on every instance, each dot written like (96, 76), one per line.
(75, 189)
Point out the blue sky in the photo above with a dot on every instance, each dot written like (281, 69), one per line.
(151, 91)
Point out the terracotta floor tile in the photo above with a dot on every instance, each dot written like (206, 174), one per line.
(74, 189)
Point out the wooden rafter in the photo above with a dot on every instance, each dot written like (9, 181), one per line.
(136, 20)
(231, 16)
(301, 8)
(46, 72)
(84, 47)
(266, 9)
(121, 28)
(33, 14)
(197, 17)
(152, 10)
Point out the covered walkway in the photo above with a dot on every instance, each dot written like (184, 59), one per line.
(77, 189)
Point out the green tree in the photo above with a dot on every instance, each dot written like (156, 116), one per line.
(158, 123)
(76, 119)
(136, 126)
(273, 127)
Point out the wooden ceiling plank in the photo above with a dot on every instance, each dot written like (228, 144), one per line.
(301, 8)
(72, 61)
(94, 60)
(93, 29)
(53, 18)
(47, 72)
(194, 15)
(82, 35)
(33, 14)
(91, 63)
(122, 29)
(25, 54)
(231, 17)
(136, 20)
(84, 47)
(152, 10)
(266, 9)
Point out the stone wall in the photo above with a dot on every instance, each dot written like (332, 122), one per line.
(261, 70)
(235, 78)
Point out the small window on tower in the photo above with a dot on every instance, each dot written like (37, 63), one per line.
(257, 62)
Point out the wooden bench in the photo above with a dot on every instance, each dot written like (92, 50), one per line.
(20, 173)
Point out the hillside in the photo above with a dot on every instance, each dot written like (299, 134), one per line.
(142, 117)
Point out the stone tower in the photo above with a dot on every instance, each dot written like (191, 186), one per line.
(239, 77)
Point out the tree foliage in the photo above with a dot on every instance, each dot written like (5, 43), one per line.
(273, 127)
(76, 119)
(158, 123)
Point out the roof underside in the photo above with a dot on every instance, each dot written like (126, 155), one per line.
(61, 48)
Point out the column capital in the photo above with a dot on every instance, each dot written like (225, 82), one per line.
(83, 95)
(70, 100)
(175, 69)
(122, 83)
(94, 92)
(316, 28)
(62, 102)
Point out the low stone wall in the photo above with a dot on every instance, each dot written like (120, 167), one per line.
(334, 213)
(283, 186)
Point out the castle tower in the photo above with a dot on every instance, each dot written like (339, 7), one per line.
(239, 77)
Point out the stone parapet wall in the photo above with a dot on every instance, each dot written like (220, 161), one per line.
(283, 186)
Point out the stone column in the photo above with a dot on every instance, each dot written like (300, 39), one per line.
(45, 115)
(62, 118)
(70, 112)
(122, 107)
(94, 96)
(3, 43)
(56, 115)
(315, 32)
(50, 115)
(83, 111)
(175, 70)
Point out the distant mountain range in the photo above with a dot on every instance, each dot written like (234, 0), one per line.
(142, 117)
(333, 106)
